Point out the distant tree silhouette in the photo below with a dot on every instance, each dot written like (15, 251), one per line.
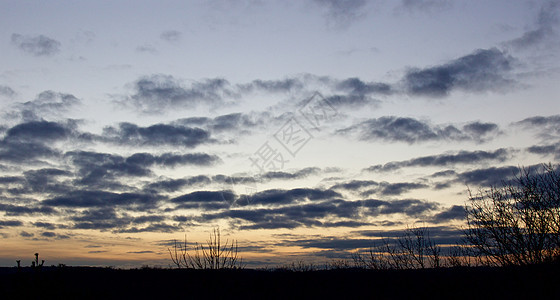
(212, 255)
(517, 223)
(414, 249)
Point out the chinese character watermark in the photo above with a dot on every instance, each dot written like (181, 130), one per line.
(292, 138)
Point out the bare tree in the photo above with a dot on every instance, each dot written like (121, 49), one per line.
(414, 249)
(517, 223)
(212, 255)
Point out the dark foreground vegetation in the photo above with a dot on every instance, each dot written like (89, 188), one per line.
(530, 282)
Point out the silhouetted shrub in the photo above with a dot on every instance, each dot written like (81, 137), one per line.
(213, 255)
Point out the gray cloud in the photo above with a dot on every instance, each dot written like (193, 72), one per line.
(439, 234)
(146, 49)
(38, 131)
(6, 91)
(25, 142)
(548, 127)
(156, 93)
(342, 12)
(26, 234)
(272, 86)
(544, 30)
(156, 227)
(409, 130)
(16, 210)
(313, 213)
(239, 122)
(455, 212)
(483, 70)
(173, 185)
(170, 35)
(552, 149)
(461, 157)
(95, 168)
(425, 5)
(281, 175)
(156, 135)
(355, 86)
(39, 45)
(47, 103)
(488, 176)
(369, 187)
(84, 198)
(355, 185)
(10, 223)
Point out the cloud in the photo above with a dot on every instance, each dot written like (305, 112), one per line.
(355, 86)
(107, 218)
(205, 196)
(146, 49)
(27, 141)
(369, 187)
(173, 185)
(392, 189)
(425, 5)
(6, 91)
(10, 223)
(272, 86)
(488, 176)
(96, 168)
(48, 234)
(44, 180)
(442, 235)
(173, 159)
(157, 93)
(156, 135)
(409, 130)
(47, 103)
(26, 234)
(350, 100)
(548, 127)
(552, 149)
(545, 27)
(441, 160)
(84, 198)
(171, 35)
(342, 13)
(239, 122)
(281, 175)
(355, 185)
(45, 225)
(333, 243)
(455, 212)
(39, 45)
(16, 210)
(277, 196)
(38, 131)
(159, 227)
(24, 152)
(326, 211)
(483, 70)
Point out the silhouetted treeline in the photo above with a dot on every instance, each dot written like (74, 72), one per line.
(530, 282)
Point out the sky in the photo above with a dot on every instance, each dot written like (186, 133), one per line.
(305, 130)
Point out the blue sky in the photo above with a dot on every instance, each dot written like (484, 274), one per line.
(303, 129)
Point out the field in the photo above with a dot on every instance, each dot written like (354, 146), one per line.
(531, 282)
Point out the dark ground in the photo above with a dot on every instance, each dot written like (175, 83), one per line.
(533, 282)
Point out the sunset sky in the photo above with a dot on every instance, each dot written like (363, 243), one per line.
(302, 129)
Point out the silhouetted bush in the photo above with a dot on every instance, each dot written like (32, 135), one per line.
(213, 255)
